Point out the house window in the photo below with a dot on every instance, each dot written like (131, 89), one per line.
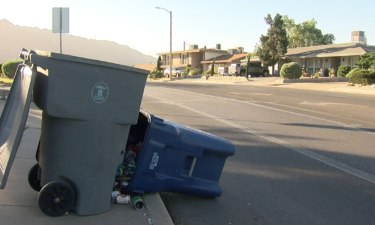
(167, 60)
(310, 66)
(317, 65)
(354, 61)
(184, 59)
(313, 65)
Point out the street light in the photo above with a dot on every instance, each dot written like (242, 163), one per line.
(170, 40)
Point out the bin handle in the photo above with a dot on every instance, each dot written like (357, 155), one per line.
(192, 166)
(24, 54)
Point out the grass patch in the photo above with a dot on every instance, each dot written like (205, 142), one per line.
(6, 81)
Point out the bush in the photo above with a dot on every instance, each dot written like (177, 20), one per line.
(332, 73)
(187, 70)
(343, 70)
(352, 71)
(9, 68)
(317, 75)
(291, 71)
(326, 72)
(184, 74)
(363, 77)
(194, 72)
(156, 74)
(207, 72)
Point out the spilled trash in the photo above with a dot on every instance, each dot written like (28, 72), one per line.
(124, 173)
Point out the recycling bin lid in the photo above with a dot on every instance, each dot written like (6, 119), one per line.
(13, 118)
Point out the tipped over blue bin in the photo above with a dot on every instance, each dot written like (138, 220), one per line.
(175, 158)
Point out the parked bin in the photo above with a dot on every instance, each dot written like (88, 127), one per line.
(88, 107)
(175, 158)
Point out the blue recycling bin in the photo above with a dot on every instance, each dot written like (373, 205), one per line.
(176, 158)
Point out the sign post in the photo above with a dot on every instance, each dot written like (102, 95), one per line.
(60, 22)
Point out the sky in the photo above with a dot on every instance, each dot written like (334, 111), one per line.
(139, 25)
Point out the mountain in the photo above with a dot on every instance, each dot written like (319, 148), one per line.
(13, 38)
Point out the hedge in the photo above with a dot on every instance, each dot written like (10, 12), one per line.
(363, 77)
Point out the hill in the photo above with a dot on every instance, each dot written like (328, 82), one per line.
(13, 38)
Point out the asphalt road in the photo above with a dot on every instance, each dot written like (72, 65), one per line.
(302, 157)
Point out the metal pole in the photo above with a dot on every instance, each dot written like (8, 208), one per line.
(60, 30)
(170, 45)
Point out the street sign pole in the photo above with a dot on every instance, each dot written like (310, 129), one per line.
(60, 22)
(60, 30)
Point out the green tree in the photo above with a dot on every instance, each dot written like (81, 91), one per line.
(367, 61)
(213, 67)
(248, 64)
(275, 44)
(305, 33)
(289, 24)
(158, 64)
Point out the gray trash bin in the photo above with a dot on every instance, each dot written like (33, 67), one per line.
(88, 107)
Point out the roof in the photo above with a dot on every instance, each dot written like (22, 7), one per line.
(226, 58)
(252, 59)
(148, 66)
(346, 49)
(194, 50)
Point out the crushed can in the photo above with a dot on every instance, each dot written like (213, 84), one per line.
(138, 203)
(123, 199)
(114, 196)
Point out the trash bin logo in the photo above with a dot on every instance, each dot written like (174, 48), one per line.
(100, 92)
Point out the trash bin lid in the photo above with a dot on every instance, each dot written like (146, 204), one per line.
(13, 118)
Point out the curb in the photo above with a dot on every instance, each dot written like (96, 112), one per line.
(4, 92)
(317, 80)
(157, 211)
(368, 92)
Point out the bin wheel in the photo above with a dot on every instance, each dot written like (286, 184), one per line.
(56, 198)
(32, 177)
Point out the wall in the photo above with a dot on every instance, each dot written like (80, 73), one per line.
(176, 59)
(196, 59)
(210, 55)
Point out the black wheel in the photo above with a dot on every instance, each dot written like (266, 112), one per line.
(33, 178)
(56, 198)
(37, 152)
(265, 73)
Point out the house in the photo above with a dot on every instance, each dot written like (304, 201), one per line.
(316, 58)
(224, 60)
(194, 57)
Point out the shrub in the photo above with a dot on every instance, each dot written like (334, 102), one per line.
(291, 71)
(352, 71)
(187, 70)
(363, 77)
(156, 74)
(194, 72)
(326, 72)
(9, 68)
(207, 72)
(332, 73)
(317, 75)
(343, 70)
(184, 74)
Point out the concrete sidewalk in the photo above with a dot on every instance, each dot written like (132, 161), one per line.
(18, 202)
(277, 82)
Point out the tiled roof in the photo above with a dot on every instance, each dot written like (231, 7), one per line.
(226, 58)
(194, 50)
(148, 66)
(346, 49)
